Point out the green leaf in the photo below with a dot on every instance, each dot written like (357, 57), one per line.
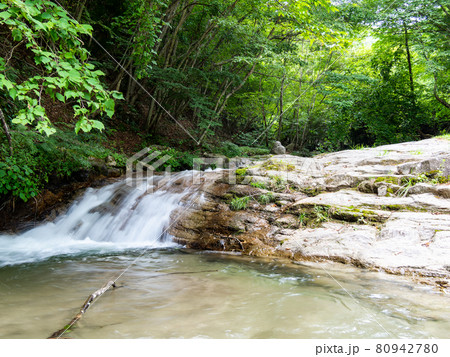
(109, 107)
(13, 93)
(39, 111)
(17, 35)
(117, 95)
(5, 15)
(60, 97)
(97, 125)
(78, 126)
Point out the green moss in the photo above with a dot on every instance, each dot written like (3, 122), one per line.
(241, 172)
(388, 179)
(392, 207)
(228, 197)
(402, 208)
(445, 136)
(241, 179)
(311, 191)
(273, 165)
(355, 215)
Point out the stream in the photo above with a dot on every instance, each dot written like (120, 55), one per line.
(168, 291)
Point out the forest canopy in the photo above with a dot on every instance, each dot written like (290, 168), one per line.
(317, 75)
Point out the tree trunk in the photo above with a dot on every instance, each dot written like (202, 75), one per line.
(80, 9)
(408, 53)
(280, 119)
(168, 17)
(8, 135)
(263, 111)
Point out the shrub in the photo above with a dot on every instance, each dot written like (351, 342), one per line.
(260, 185)
(239, 203)
(266, 198)
(37, 157)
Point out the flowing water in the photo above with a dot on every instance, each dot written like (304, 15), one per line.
(169, 292)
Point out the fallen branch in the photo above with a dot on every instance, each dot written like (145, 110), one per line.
(83, 309)
(100, 292)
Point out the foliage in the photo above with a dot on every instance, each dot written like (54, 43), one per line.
(236, 75)
(278, 183)
(239, 203)
(231, 150)
(266, 198)
(178, 160)
(321, 214)
(260, 185)
(54, 40)
(38, 158)
(17, 179)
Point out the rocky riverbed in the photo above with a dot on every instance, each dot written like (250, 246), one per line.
(384, 208)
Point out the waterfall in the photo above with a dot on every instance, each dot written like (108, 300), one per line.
(123, 215)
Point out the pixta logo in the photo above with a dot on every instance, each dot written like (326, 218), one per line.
(141, 168)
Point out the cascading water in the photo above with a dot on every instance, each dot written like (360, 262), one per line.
(47, 272)
(126, 214)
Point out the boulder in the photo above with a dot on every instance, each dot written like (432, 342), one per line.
(278, 149)
(382, 191)
(290, 148)
(438, 163)
(110, 161)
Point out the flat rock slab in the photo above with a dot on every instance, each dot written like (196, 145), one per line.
(318, 213)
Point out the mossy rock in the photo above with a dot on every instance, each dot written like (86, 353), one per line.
(388, 179)
(311, 191)
(241, 172)
(228, 197)
(355, 215)
(273, 165)
(402, 208)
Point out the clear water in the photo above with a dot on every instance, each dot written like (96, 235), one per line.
(47, 273)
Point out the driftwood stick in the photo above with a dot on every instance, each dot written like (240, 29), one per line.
(83, 309)
(103, 290)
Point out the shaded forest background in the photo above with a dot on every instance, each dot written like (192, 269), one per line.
(110, 77)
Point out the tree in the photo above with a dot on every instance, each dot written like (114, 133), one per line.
(53, 39)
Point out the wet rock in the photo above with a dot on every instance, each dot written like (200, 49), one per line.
(443, 191)
(99, 166)
(113, 172)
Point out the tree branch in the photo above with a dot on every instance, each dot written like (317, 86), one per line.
(436, 95)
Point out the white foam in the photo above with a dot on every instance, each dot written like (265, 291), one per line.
(113, 218)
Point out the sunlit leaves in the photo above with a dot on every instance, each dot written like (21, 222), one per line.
(54, 39)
